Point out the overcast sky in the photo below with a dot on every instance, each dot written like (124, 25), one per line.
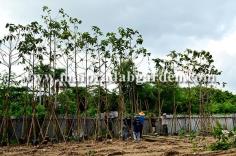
(165, 24)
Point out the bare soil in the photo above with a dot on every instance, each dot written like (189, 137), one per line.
(159, 146)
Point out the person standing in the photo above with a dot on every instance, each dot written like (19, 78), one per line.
(136, 129)
(142, 119)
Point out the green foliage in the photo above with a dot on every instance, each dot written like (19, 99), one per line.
(225, 139)
(40, 111)
(220, 145)
(20, 101)
(182, 132)
(217, 131)
(192, 135)
(225, 107)
(92, 111)
(67, 102)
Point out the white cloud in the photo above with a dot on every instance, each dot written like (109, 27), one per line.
(225, 46)
(224, 52)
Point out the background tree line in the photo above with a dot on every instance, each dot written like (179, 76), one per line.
(221, 102)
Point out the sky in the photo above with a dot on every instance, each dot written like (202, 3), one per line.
(166, 25)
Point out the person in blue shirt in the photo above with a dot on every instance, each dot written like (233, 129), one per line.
(142, 119)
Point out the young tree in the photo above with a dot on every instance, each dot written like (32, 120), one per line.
(204, 71)
(31, 52)
(9, 59)
(159, 64)
(172, 70)
(126, 46)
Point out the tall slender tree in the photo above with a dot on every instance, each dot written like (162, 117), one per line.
(9, 59)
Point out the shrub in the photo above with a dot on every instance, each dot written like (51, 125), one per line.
(192, 135)
(224, 141)
(220, 145)
(41, 110)
(182, 132)
(217, 131)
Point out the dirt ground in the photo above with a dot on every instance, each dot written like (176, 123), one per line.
(159, 146)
